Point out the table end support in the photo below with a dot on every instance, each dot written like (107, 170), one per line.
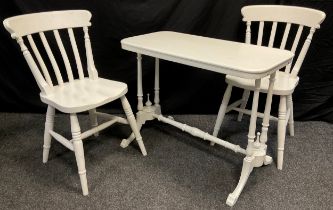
(142, 116)
(257, 159)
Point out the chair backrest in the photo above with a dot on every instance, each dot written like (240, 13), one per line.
(288, 15)
(37, 24)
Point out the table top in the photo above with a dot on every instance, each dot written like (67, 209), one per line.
(227, 57)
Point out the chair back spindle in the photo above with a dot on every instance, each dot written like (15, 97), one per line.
(40, 60)
(289, 15)
(285, 36)
(64, 55)
(260, 33)
(52, 58)
(33, 66)
(76, 53)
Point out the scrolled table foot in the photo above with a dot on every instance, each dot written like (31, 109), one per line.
(231, 200)
(246, 171)
(268, 160)
(125, 142)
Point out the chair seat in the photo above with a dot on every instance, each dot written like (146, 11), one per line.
(284, 83)
(83, 95)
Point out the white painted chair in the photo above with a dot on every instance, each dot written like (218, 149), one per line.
(73, 95)
(286, 80)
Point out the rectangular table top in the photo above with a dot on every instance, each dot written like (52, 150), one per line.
(227, 57)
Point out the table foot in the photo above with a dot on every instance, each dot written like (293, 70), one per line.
(141, 117)
(248, 164)
(257, 159)
(125, 142)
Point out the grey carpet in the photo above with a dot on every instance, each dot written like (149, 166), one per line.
(180, 171)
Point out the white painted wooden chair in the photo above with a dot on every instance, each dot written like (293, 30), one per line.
(73, 95)
(286, 80)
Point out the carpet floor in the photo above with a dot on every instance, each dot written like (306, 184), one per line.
(180, 171)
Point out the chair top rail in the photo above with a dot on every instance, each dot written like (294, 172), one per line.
(23, 25)
(279, 13)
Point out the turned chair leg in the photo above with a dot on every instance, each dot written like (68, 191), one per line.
(132, 122)
(245, 98)
(79, 152)
(290, 106)
(281, 130)
(93, 120)
(222, 110)
(49, 122)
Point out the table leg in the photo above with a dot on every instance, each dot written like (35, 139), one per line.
(139, 82)
(125, 142)
(145, 112)
(157, 87)
(267, 112)
(256, 150)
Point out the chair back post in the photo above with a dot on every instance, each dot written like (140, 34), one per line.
(289, 15)
(302, 54)
(248, 32)
(90, 60)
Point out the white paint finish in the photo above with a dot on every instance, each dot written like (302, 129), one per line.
(272, 36)
(132, 122)
(248, 33)
(139, 82)
(295, 44)
(285, 36)
(260, 32)
(42, 84)
(83, 95)
(64, 55)
(62, 140)
(221, 56)
(281, 130)
(199, 133)
(284, 83)
(93, 120)
(302, 54)
(76, 95)
(40, 60)
(256, 150)
(253, 119)
(290, 107)
(92, 71)
(23, 25)
(76, 53)
(245, 98)
(222, 111)
(290, 14)
(51, 57)
(49, 123)
(157, 83)
(79, 152)
(265, 121)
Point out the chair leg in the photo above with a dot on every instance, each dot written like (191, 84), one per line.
(291, 116)
(93, 120)
(132, 122)
(222, 111)
(281, 130)
(49, 122)
(245, 98)
(79, 152)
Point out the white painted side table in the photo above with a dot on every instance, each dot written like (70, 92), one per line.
(225, 57)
